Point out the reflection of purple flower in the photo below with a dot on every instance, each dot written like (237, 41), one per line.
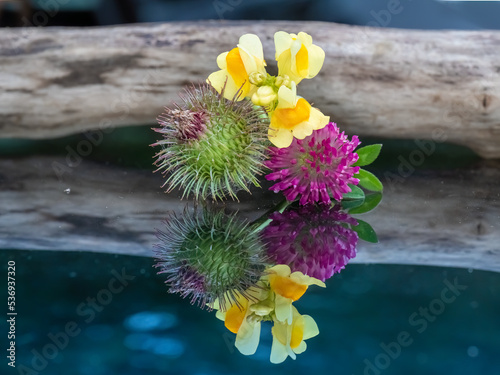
(315, 166)
(312, 239)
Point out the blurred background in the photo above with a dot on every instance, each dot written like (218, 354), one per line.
(418, 14)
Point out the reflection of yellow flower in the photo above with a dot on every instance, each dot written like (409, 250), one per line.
(236, 67)
(297, 57)
(289, 287)
(271, 300)
(288, 339)
(293, 117)
(244, 316)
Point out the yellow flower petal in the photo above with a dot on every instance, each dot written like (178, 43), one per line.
(302, 130)
(318, 120)
(282, 42)
(297, 56)
(221, 60)
(316, 57)
(301, 348)
(297, 332)
(286, 287)
(247, 339)
(283, 308)
(217, 80)
(288, 118)
(310, 327)
(236, 67)
(220, 315)
(302, 61)
(305, 38)
(287, 97)
(237, 71)
(280, 269)
(299, 278)
(280, 137)
(293, 117)
(252, 44)
(278, 349)
(234, 317)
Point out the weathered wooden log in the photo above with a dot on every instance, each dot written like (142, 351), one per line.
(442, 218)
(377, 82)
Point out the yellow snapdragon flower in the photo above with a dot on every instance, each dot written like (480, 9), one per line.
(288, 339)
(293, 117)
(288, 287)
(236, 67)
(244, 316)
(297, 56)
(271, 300)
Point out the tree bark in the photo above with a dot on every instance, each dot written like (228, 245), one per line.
(439, 85)
(439, 218)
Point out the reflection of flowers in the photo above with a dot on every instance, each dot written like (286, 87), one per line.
(316, 166)
(271, 300)
(288, 287)
(288, 339)
(312, 239)
(244, 316)
(212, 147)
(209, 256)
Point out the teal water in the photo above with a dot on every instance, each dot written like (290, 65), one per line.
(129, 324)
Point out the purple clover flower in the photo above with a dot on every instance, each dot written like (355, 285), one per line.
(315, 167)
(312, 239)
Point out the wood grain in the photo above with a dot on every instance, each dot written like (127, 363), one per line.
(440, 218)
(380, 82)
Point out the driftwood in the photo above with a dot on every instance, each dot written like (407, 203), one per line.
(445, 218)
(377, 82)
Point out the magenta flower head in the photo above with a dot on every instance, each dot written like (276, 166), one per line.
(315, 167)
(313, 239)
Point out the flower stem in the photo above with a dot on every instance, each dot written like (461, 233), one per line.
(263, 221)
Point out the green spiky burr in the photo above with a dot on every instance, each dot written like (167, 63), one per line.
(209, 256)
(211, 147)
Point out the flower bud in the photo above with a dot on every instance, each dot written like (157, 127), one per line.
(264, 96)
(262, 308)
(256, 78)
(283, 80)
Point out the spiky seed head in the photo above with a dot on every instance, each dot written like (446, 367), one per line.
(209, 256)
(211, 146)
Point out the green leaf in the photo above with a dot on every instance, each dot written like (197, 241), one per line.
(367, 154)
(365, 231)
(348, 204)
(355, 193)
(371, 201)
(369, 181)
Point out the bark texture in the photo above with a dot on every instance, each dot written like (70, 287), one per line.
(441, 218)
(441, 85)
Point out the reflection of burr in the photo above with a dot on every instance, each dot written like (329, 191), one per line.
(209, 256)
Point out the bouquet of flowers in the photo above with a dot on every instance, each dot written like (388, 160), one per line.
(241, 124)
